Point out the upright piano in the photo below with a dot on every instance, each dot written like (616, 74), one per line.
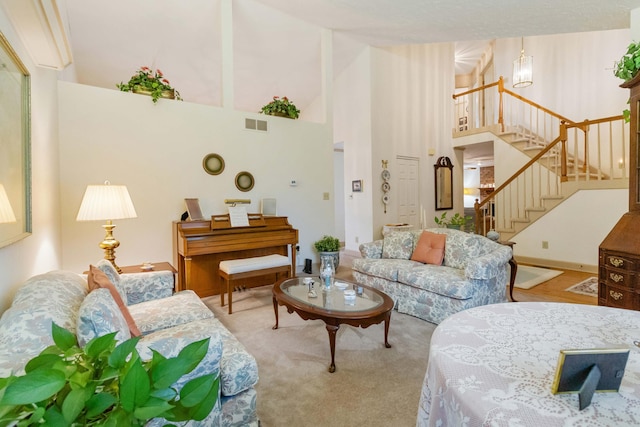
(199, 246)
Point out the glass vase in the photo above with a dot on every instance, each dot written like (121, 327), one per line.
(327, 271)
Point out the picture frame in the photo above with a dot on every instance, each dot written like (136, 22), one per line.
(15, 149)
(193, 209)
(585, 371)
(356, 186)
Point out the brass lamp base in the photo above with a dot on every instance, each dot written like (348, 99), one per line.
(109, 244)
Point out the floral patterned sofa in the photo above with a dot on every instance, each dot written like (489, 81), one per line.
(167, 321)
(473, 273)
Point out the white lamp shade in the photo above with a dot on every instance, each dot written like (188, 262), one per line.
(106, 202)
(6, 213)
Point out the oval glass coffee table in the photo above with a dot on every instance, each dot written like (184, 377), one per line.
(371, 307)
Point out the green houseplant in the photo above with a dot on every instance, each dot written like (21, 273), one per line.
(105, 384)
(627, 68)
(281, 107)
(457, 221)
(149, 82)
(329, 246)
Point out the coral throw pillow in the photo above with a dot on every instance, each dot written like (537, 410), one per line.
(430, 248)
(97, 279)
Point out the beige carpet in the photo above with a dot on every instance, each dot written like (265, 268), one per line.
(372, 385)
(527, 276)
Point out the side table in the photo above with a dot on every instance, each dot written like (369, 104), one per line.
(157, 266)
(514, 267)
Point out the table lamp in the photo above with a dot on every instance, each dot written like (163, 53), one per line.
(107, 202)
(6, 213)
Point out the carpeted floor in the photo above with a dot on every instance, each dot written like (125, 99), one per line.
(372, 385)
(527, 276)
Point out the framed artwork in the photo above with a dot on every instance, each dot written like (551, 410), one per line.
(356, 186)
(15, 146)
(193, 208)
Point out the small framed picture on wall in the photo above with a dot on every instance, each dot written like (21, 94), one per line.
(356, 186)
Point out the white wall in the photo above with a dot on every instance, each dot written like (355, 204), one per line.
(157, 151)
(39, 252)
(411, 103)
(352, 126)
(572, 73)
(575, 228)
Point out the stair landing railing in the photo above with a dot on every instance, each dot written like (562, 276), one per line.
(568, 151)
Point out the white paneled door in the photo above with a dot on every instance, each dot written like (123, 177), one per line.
(408, 190)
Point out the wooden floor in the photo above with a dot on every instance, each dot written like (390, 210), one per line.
(553, 290)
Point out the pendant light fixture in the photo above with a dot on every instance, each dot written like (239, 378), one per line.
(523, 69)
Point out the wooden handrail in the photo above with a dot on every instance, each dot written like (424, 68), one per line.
(594, 122)
(478, 205)
(538, 106)
(478, 89)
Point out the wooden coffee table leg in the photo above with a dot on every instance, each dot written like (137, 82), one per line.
(275, 310)
(512, 279)
(386, 330)
(332, 343)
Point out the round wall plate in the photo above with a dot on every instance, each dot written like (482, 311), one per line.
(386, 187)
(386, 175)
(213, 164)
(244, 181)
(385, 199)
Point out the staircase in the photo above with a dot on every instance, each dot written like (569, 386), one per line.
(563, 158)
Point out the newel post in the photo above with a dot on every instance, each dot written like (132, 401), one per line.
(500, 112)
(563, 151)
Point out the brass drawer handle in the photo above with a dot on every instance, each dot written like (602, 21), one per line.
(615, 295)
(616, 277)
(616, 262)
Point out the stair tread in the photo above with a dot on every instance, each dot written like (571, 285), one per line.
(520, 220)
(536, 209)
(552, 197)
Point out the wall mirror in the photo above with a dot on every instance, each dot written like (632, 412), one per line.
(444, 183)
(15, 146)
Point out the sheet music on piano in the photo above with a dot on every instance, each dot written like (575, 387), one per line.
(238, 216)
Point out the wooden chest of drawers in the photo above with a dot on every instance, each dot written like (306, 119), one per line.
(618, 281)
(619, 265)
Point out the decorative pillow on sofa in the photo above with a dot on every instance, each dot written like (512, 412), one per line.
(398, 245)
(99, 315)
(430, 248)
(98, 279)
(114, 277)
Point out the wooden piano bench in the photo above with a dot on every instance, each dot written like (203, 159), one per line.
(236, 269)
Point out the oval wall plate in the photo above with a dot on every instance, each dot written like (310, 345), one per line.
(244, 181)
(213, 164)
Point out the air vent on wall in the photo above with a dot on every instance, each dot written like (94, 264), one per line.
(253, 124)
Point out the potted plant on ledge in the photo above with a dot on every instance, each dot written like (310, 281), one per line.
(281, 107)
(149, 82)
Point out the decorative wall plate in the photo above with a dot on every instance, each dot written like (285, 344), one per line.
(244, 181)
(386, 187)
(385, 199)
(213, 164)
(386, 175)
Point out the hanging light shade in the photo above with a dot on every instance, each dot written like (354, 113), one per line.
(523, 69)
